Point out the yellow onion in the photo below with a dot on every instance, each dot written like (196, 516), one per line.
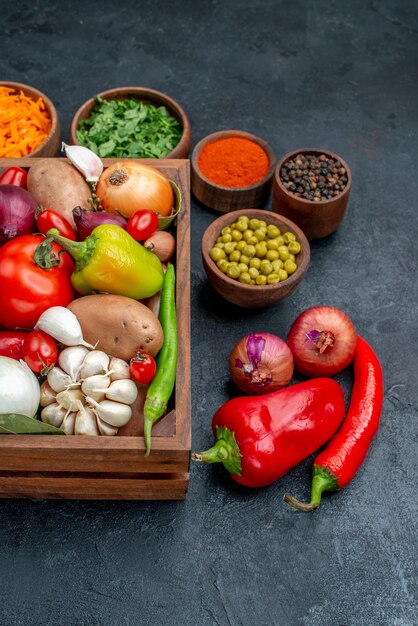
(127, 186)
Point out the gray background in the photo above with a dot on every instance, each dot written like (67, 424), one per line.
(320, 73)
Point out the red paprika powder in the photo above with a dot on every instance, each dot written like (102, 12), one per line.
(233, 162)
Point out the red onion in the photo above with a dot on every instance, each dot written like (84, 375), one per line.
(86, 220)
(323, 340)
(261, 363)
(17, 213)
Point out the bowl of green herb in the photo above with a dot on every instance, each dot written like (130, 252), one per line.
(132, 122)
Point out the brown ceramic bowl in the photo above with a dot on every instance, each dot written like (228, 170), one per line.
(149, 96)
(52, 143)
(316, 219)
(224, 199)
(253, 296)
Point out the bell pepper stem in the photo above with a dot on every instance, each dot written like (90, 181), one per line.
(225, 451)
(81, 251)
(322, 480)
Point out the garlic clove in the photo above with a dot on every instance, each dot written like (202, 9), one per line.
(70, 399)
(47, 394)
(118, 369)
(96, 362)
(113, 413)
(71, 360)
(85, 422)
(106, 429)
(58, 380)
(53, 414)
(68, 424)
(124, 391)
(85, 160)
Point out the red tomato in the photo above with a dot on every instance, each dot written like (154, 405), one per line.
(11, 343)
(26, 289)
(39, 351)
(142, 224)
(14, 176)
(47, 218)
(142, 368)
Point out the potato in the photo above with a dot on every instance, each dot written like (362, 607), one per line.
(120, 325)
(59, 186)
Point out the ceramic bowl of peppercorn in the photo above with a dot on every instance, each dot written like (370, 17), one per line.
(254, 258)
(312, 187)
(232, 170)
(132, 122)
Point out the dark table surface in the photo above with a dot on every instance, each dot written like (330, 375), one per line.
(341, 76)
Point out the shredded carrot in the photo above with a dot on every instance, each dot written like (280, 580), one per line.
(24, 123)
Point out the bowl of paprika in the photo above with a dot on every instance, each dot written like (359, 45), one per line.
(231, 170)
(29, 122)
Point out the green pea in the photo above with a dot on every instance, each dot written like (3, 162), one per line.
(229, 247)
(282, 275)
(227, 237)
(245, 259)
(220, 245)
(235, 256)
(294, 247)
(222, 264)
(273, 279)
(247, 234)
(260, 234)
(283, 253)
(277, 265)
(233, 226)
(254, 223)
(252, 282)
(232, 271)
(263, 224)
(253, 272)
(280, 241)
(272, 244)
(272, 231)
(242, 225)
(249, 251)
(290, 267)
(255, 262)
(292, 257)
(260, 249)
(261, 280)
(226, 230)
(266, 268)
(272, 255)
(288, 237)
(241, 245)
(219, 239)
(217, 254)
(243, 267)
(245, 278)
(236, 235)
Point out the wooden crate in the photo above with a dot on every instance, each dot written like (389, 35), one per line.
(115, 468)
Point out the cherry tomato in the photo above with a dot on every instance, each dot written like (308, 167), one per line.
(39, 351)
(14, 176)
(47, 218)
(11, 343)
(142, 224)
(27, 287)
(142, 368)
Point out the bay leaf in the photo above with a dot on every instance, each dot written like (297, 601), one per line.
(14, 424)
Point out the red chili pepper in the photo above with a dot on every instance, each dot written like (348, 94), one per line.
(14, 176)
(335, 466)
(47, 218)
(11, 343)
(260, 438)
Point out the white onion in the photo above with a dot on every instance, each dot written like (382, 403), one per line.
(19, 388)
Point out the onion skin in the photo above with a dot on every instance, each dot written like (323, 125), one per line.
(17, 213)
(261, 363)
(323, 341)
(126, 185)
(86, 221)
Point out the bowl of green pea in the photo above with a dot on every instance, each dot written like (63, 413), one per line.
(254, 258)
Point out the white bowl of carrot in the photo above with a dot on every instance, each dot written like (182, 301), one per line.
(29, 124)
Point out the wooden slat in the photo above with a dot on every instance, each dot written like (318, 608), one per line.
(81, 488)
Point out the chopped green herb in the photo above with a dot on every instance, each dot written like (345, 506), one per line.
(129, 128)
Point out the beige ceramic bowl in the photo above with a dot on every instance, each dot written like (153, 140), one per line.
(52, 143)
(150, 96)
(253, 296)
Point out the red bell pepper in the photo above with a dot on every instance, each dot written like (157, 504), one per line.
(335, 466)
(14, 176)
(260, 438)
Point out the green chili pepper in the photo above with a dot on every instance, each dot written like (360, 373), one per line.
(162, 385)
